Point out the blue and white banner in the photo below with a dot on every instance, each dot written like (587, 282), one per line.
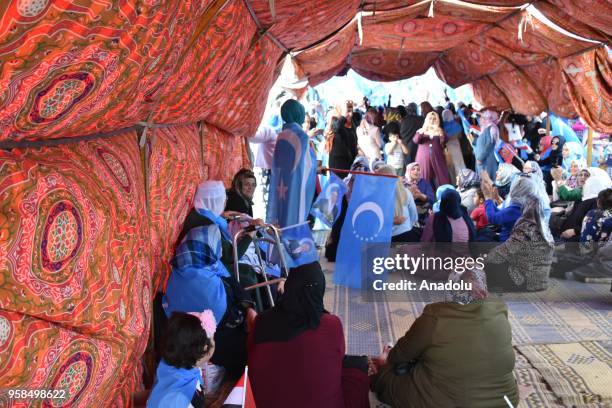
(293, 179)
(299, 247)
(369, 219)
(329, 203)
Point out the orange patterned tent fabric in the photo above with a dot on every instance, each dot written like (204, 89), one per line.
(168, 91)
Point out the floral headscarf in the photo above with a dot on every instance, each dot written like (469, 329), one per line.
(467, 179)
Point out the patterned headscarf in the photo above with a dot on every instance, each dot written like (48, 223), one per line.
(431, 126)
(407, 180)
(505, 174)
(477, 279)
(467, 179)
(490, 119)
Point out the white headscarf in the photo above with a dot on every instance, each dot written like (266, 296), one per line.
(598, 181)
(210, 196)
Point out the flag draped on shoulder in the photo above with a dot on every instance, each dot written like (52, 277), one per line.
(328, 205)
(369, 219)
(293, 180)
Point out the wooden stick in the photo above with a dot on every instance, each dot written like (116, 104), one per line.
(261, 284)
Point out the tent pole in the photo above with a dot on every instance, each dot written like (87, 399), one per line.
(548, 123)
(590, 147)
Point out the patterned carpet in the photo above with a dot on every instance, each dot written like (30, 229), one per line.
(569, 312)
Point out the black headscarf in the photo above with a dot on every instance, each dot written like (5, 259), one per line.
(450, 207)
(299, 308)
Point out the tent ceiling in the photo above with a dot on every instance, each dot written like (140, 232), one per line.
(69, 69)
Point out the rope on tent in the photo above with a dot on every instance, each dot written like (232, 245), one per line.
(261, 29)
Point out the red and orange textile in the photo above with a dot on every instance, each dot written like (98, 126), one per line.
(87, 229)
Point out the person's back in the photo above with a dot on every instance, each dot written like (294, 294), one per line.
(463, 358)
(303, 372)
(471, 358)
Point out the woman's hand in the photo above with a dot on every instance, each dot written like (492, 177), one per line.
(557, 173)
(399, 220)
(280, 288)
(486, 185)
(568, 233)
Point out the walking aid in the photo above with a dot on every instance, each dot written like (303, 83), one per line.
(266, 230)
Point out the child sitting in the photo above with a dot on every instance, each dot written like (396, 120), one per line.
(479, 215)
(395, 150)
(188, 345)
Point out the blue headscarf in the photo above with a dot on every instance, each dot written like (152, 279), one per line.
(439, 192)
(576, 152)
(293, 112)
(195, 282)
(174, 387)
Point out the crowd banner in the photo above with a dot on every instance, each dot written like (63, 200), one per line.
(369, 219)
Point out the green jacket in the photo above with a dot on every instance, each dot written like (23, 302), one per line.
(464, 359)
(567, 194)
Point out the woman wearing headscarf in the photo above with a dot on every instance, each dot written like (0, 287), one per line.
(456, 354)
(597, 224)
(200, 281)
(421, 190)
(468, 183)
(571, 151)
(359, 164)
(503, 178)
(369, 139)
(296, 351)
(343, 149)
(563, 191)
(533, 168)
(531, 238)
(453, 131)
(293, 181)
(551, 156)
(404, 213)
(430, 154)
(408, 128)
(484, 149)
(506, 217)
(452, 223)
(597, 182)
(240, 195)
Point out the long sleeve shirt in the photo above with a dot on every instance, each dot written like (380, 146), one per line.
(505, 218)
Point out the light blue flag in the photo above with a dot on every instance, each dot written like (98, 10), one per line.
(560, 128)
(369, 219)
(329, 203)
(293, 180)
(299, 245)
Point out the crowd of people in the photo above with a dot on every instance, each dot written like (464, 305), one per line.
(462, 176)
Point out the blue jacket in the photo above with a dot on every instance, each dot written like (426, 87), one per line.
(505, 218)
(484, 150)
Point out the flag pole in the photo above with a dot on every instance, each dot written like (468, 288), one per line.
(327, 169)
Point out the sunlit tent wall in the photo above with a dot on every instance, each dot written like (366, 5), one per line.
(111, 112)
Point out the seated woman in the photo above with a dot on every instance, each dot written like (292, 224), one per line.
(506, 217)
(240, 196)
(296, 351)
(187, 345)
(420, 188)
(199, 280)
(597, 181)
(451, 223)
(564, 192)
(209, 203)
(597, 224)
(468, 182)
(456, 354)
(504, 177)
(523, 262)
(405, 212)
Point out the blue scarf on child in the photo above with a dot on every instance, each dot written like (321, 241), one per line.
(174, 387)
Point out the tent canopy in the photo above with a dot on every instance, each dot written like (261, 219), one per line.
(71, 69)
